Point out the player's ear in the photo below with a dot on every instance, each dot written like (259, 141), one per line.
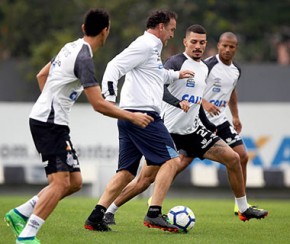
(83, 28)
(184, 42)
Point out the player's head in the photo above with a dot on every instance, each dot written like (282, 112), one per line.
(96, 22)
(162, 23)
(227, 47)
(195, 41)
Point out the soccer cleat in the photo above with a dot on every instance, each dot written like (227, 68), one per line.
(27, 240)
(97, 226)
(252, 213)
(236, 209)
(109, 218)
(160, 222)
(15, 221)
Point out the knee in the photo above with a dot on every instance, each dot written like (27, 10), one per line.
(233, 160)
(76, 186)
(143, 184)
(244, 158)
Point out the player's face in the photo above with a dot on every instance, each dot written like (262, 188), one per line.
(195, 45)
(167, 31)
(227, 48)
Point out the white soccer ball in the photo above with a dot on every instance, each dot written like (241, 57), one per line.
(182, 217)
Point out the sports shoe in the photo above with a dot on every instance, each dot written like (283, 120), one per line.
(251, 213)
(97, 226)
(160, 222)
(236, 209)
(15, 221)
(27, 240)
(109, 218)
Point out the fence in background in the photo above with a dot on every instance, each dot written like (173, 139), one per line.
(265, 131)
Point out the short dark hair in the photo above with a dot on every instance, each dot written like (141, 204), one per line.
(160, 16)
(95, 21)
(196, 29)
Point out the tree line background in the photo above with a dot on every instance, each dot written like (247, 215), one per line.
(34, 30)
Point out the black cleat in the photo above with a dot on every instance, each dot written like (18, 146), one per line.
(97, 226)
(160, 222)
(253, 213)
(109, 218)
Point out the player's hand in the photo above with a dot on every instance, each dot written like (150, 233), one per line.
(237, 125)
(211, 109)
(184, 105)
(186, 74)
(141, 119)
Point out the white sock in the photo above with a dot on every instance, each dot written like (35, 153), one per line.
(32, 226)
(112, 208)
(26, 209)
(242, 203)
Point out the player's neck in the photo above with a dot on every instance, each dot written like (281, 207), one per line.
(224, 61)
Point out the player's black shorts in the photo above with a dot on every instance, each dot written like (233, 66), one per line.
(195, 144)
(53, 143)
(227, 132)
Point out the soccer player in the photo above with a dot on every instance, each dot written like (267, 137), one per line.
(142, 91)
(192, 139)
(61, 82)
(221, 92)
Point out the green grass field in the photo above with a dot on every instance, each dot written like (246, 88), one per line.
(215, 223)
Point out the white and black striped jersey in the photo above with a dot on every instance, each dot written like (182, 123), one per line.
(145, 75)
(221, 81)
(190, 89)
(71, 71)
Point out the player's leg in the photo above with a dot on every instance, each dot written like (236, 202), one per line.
(222, 153)
(160, 151)
(113, 189)
(57, 151)
(241, 150)
(145, 178)
(16, 218)
(227, 132)
(135, 187)
(163, 180)
(129, 159)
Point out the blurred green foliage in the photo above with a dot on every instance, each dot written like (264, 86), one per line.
(34, 30)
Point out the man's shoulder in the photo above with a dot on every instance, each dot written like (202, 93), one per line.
(175, 62)
(211, 61)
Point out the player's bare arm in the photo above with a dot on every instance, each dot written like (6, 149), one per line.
(107, 108)
(42, 76)
(233, 105)
(210, 108)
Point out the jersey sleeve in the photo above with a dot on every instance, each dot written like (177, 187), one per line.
(209, 125)
(169, 98)
(84, 69)
(173, 66)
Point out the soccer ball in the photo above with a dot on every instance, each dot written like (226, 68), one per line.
(182, 217)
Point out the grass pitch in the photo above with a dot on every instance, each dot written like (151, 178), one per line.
(215, 223)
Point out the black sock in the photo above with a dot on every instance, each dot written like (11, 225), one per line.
(97, 214)
(154, 211)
